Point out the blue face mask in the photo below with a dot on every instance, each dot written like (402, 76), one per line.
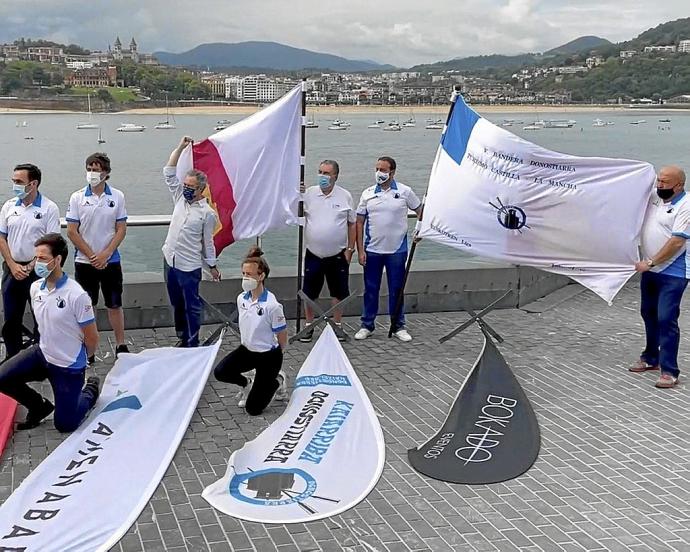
(19, 191)
(188, 193)
(324, 181)
(41, 269)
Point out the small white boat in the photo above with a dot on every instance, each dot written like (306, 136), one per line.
(641, 121)
(664, 120)
(533, 127)
(557, 123)
(225, 122)
(166, 125)
(131, 127)
(338, 122)
(374, 125)
(411, 122)
(598, 123)
(311, 124)
(101, 140)
(220, 127)
(337, 127)
(434, 126)
(90, 125)
(395, 127)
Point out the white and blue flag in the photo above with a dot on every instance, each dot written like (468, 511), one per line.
(493, 194)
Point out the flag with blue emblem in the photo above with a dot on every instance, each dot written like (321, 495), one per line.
(493, 194)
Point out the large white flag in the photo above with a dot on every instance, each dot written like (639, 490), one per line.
(253, 170)
(493, 194)
(321, 457)
(91, 489)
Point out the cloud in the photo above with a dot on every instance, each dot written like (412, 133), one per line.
(402, 33)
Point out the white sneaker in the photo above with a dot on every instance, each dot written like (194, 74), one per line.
(244, 392)
(403, 335)
(363, 333)
(281, 393)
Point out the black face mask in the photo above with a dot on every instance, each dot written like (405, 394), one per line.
(665, 193)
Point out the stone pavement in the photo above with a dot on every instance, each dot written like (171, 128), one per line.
(613, 473)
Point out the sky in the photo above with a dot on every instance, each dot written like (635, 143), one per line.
(399, 32)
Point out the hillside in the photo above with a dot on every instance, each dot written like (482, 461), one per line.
(263, 55)
(582, 44)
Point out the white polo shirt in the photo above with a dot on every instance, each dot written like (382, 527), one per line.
(327, 217)
(260, 321)
(662, 221)
(385, 227)
(97, 217)
(23, 224)
(61, 313)
(190, 234)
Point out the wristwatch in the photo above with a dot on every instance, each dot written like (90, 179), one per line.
(650, 263)
(350, 249)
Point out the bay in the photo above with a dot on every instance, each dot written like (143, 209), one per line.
(59, 149)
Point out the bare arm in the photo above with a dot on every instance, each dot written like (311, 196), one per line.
(175, 155)
(79, 242)
(360, 240)
(90, 332)
(669, 249)
(282, 339)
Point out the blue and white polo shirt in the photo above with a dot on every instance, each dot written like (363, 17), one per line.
(97, 217)
(260, 321)
(23, 224)
(663, 220)
(385, 227)
(61, 313)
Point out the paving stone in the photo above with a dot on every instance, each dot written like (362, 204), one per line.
(611, 475)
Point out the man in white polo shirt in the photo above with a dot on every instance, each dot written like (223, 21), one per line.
(382, 243)
(23, 219)
(96, 225)
(65, 318)
(329, 237)
(188, 246)
(665, 272)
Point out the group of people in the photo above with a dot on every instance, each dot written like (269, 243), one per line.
(66, 336)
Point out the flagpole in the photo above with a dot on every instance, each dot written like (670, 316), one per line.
(401, 294)
(300, 208)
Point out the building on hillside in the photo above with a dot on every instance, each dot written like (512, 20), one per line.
(9, 52)
(120, 54)
(684, 46)
(594, 61)
(627, 53)
(571, 69)
(669, 48)
(95, 77)
(216, 83)
(45, 54)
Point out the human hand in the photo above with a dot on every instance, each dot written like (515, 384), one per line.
(348, 255)
(186, 140)
(19, 272)
(363, 258)
(642, 266)
(215, 273)
(100, 260)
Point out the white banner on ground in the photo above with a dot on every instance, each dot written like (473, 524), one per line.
(91, 489)
(321, 457)
(493, 194)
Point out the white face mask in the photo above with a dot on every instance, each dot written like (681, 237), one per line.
(249, 284)
(93, 178)
(381, 177)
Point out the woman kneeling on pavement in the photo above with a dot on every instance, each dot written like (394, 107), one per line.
(263, 332)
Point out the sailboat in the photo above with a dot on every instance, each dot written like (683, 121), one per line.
(311, 123)
(411, 122)
(90, 125)
(166, 124)
(101, 140)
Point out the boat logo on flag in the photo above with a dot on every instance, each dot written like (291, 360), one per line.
(511, 217)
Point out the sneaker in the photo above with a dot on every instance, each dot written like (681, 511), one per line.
(36, 415)
(666, 381)
(642, 366)
(121, 349)
(281, 393)
(363, 333)
(244, 392)
(339, 332)
(308, 335)
(93, 385)
(403, 335)
(92, 360)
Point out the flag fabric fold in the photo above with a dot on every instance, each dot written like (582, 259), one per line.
(493, 194)
(253, 170)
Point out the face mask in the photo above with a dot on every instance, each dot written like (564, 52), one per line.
(19, 191)
(665, 193)
(249, 284)
(41, 269)
(93, 178)
(324, 181)
(381, 177)
(188, 193)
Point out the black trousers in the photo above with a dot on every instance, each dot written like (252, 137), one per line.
(15, 296)
(267, 366)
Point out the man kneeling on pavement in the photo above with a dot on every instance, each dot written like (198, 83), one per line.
(68, 336)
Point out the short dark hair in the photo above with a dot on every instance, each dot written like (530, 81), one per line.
(102, 159)
(32, 170)
(389, 160)
(57, 245)
(333, 164)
